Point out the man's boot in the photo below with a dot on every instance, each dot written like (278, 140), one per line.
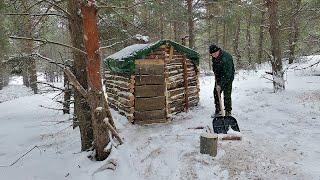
(216, 114)
(228, 113)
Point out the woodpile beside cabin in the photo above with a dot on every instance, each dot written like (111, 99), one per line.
(148, 83)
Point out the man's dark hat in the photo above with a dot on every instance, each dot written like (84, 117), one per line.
(213, 48)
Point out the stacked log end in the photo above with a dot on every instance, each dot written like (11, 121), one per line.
(178, 74)
(120, 93)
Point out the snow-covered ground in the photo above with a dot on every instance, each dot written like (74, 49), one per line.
(14, 90)
(280, 132)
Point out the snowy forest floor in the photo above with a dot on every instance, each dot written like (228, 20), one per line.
(280, 132)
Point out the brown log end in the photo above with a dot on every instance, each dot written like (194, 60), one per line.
(231, 137)
(208, 144)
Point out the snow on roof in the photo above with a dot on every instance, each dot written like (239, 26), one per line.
(141, 37)
(128, 51)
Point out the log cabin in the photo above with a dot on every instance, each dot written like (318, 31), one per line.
(150, 83)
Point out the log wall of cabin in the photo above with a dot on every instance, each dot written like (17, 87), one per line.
(176, 86)
(120, 93)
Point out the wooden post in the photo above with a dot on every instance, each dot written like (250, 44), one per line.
(208, 144)
(167, 80)
(185, 82)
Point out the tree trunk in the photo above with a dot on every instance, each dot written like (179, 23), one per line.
(124, 23)
(30, 76)
(1, 74)
(177, 30)
(248, 37)
(209, 16)
(294, 33)
(29, 67)
(276, 61)
(160, 15)
(190, 25)
(33, 75)
(82, 116)
(217, 35)
(25, 74)
(161, 24)
(224, 38)
(5, 75)
(236, 42)
(67, 96)
(97, 99)
(261, 37)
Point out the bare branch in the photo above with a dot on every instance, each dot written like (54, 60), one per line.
(59, 122)
(267, 78)
(119, 42)
(40, 19)
(71, 77)
(114, 132)
(55, 4)
(73, 81)
(50, 85)
(270, 55)
(60, 8)
(21, 157)
(309, 66)
(33, 5)
(51, 108)
(40, 14)
(48, 42)
(105, 5)
(60, 65)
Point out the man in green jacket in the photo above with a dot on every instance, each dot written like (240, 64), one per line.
(223, 68)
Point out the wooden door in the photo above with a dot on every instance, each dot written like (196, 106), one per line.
(150, 88)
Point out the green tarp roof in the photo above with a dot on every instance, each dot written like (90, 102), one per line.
(123, 60)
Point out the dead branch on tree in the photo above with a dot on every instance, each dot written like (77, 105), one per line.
(50, 85)
(59, 122)
(57, 109)
(105, 5)
(114, 132)
(270, 73)
(73, 81)
(55, 4)
(267, 78)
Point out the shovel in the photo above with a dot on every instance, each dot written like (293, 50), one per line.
(221, 124)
